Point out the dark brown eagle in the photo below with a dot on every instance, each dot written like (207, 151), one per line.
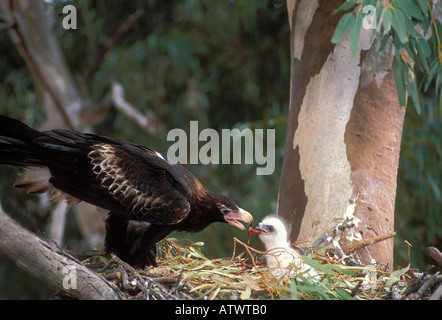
(146, 196)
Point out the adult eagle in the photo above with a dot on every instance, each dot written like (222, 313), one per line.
(146, 196)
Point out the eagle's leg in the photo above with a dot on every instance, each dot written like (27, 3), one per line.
(133, 241)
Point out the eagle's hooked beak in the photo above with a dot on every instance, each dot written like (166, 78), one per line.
(232, 217)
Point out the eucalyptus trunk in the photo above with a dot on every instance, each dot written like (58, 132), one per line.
(344, 132)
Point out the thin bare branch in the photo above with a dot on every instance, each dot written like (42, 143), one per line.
(145, 121)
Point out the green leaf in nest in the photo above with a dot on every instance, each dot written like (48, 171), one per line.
(395, 276)
(246, 293)
(318, 266)
(343, 295)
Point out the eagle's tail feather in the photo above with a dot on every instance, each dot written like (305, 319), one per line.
(16, 132)
(18, 137)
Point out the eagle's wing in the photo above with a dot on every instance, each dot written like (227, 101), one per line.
(142, 181)
(122, 177)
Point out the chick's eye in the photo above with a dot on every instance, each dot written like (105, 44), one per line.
(271, 229)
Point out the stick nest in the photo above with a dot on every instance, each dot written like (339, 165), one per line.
(184, 273)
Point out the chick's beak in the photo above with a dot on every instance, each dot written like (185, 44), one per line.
(261, 228)
(234, 216)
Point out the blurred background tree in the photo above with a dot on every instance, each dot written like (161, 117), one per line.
(223, 63)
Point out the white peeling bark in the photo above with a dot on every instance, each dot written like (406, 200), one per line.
(323, 118)
(302, 23)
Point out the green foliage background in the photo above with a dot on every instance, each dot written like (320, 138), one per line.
(225, 64)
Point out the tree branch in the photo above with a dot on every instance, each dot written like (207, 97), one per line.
(35, 40)
(356, 245)
(56, 269)
(145, 121)
(436, 255)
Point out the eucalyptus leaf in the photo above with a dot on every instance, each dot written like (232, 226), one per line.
(415, 95)
(343, 294)
(386, 21)
(430, 75)
(410, 8)
(317, 266)
(423, 52)
(346, 6)
(423, 5)
(355, 32)
(246, 293)
(346, 21)
(397, 22)
(398, 66)
(395, 276)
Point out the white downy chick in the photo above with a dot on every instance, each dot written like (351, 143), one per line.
(280, 257)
